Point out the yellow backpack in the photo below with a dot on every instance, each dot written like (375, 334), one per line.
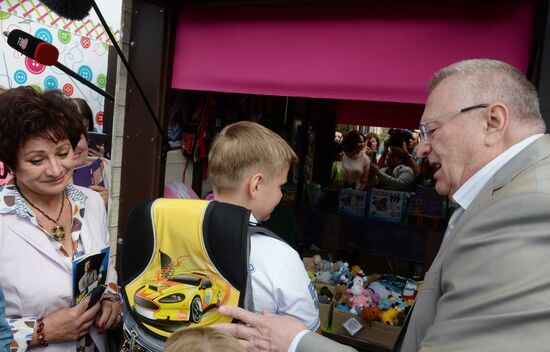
(181, 260)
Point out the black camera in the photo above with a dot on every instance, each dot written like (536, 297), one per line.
(398, 136)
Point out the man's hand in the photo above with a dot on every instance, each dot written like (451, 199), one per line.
(265, 332)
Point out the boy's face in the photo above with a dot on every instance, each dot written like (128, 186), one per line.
(268, 196)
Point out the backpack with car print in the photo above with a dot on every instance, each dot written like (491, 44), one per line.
(181, 260)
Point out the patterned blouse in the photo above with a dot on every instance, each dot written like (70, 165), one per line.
(12, 202)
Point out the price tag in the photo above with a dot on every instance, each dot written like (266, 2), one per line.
(352, 325)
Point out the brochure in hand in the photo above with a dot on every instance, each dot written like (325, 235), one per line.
(84, 175)
(89, 272)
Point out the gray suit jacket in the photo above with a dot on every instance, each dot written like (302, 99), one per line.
(313, 342)
(488, 289)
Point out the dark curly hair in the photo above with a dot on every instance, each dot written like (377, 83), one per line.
(351, 139)
(26, 114)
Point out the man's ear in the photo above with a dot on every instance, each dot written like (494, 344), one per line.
(254, 184)
(496, 123)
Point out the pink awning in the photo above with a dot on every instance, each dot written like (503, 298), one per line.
(357, 51)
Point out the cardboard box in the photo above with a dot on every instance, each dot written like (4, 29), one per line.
(325, 310)
(373, 332)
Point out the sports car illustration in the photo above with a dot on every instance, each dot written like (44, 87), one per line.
(181, 298)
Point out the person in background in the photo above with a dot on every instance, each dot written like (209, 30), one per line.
(399, 138)
(413, 146)
(248, 165)
(90, 171)
(354, 162)
(88, 118)
(372, 143)
(486, 289)
(337, 172)
(338, 137)
(202, 339)
(45, 223)
(396, 176)
(6, 335)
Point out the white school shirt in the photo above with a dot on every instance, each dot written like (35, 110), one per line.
(280, 283)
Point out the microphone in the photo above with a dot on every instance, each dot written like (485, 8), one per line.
(46, 54)
(32, 47)
(74, 10)
(77, 10)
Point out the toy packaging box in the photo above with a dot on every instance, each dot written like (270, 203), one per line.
(426, 202)
(387, 205)
(352, 202)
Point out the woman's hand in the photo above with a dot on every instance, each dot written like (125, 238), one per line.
(68, 324)
(110, 315)
(368, 150)
(103, 192)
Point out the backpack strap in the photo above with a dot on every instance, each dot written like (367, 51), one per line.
(226, 238)
(138, 244)
(254, 229)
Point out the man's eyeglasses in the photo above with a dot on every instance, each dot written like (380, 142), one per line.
(425, 134)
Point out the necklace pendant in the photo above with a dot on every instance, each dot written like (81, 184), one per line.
(58, 231)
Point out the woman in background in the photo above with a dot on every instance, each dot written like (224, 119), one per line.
(91, 170)
(354, 162)
(372, 143)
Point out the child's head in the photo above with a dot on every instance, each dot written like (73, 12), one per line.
(202, 339)
(248, 164)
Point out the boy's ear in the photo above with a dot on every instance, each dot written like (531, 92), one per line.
(254, 184)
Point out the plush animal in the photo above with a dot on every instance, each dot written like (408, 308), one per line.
(341, 273)
(390, 316)
(373, 296)
(316, 259)
(397, 302)
(370, 313)
(356, 270)
(359, 298)
(323, 277)
(325, 292)
(324, 265)
(385, 304)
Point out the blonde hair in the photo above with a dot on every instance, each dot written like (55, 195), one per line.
(202, 339)
(487, 80)
(246, 147)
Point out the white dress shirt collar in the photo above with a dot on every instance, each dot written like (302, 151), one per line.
(470, 189)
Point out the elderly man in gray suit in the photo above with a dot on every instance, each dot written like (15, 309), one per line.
(488, 288)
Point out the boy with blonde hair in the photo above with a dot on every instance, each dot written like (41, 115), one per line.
(202, 339)
(248, 165)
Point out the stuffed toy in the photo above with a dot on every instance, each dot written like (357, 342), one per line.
(359, 298)
(370, 313)
(390, 316)
(323, 277)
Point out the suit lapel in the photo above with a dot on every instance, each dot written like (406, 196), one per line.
(533, 153)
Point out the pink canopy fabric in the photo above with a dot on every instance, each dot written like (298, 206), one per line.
(356, 51)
